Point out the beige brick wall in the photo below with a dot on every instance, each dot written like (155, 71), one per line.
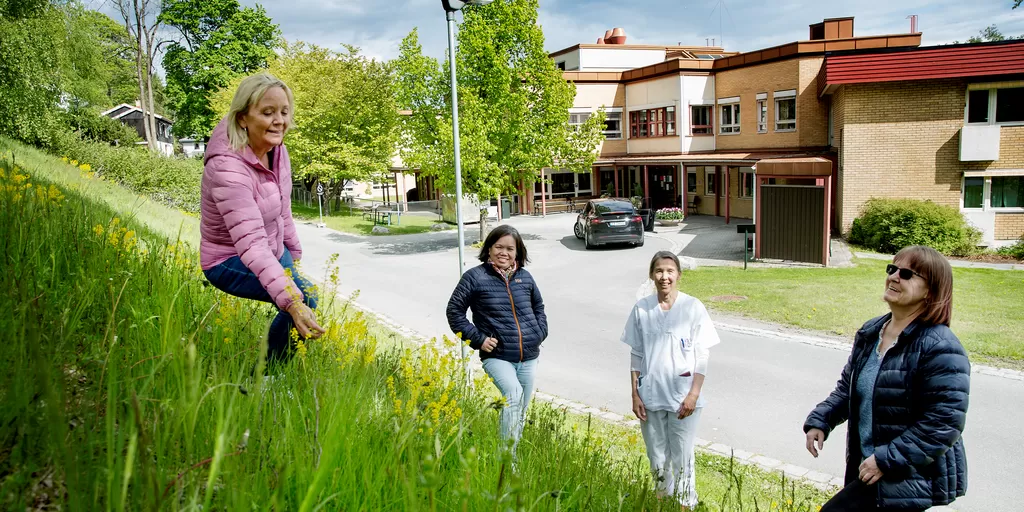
(902, 140)
(811, 112)
(1009, 226)
(838, 106)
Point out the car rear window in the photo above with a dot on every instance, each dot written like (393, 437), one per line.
(613, 207)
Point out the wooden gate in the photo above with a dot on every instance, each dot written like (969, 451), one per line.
(792, 222)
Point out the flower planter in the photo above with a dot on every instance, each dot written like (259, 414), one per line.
(669, 222)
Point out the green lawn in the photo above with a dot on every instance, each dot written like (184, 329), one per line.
(987, 312)
(410, 224)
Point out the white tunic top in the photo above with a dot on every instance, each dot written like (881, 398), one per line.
(672, 346)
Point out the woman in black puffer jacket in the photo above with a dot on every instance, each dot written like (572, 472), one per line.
(508, 324)
(904, 391)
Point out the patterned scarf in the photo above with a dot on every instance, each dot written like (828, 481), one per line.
(508, 272)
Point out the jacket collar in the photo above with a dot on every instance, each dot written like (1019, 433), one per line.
(874, 327)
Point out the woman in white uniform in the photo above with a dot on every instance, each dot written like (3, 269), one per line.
(669, 334)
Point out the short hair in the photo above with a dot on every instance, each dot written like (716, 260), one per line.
(496, 234)
(936, 271)
(664, 255)
(250, 92)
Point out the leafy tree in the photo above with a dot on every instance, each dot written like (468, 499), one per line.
(219, 41)
(513, 106)
(989, 34)
(142, 22)
(32, 52)
(1016, 3)
(346, 120)
(116, 65)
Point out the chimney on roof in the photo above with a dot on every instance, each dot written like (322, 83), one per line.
(832, 28)
(615, 36)
(600, 40)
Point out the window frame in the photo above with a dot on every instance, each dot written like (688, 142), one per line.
(652, 123)
(710, 127)
(761, 114)
(584, 115)
(963, 193)
(694, 174)
(733, 106)
(710, 178)
(745, 193)
(780, 96)
(607, 112)
(993, 101)
(990, 188)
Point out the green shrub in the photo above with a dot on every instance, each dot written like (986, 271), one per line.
(93, 126)
(888, 225)
(1015, 251)
(172, 181)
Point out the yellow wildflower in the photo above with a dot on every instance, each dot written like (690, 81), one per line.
(74, 163)
(98, 229)
(85, 167)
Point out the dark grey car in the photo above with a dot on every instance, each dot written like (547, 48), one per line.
(609, 220)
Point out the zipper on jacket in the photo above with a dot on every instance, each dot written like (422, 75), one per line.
(516, 318)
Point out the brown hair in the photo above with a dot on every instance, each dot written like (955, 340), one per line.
(936, 271)
(664, 255)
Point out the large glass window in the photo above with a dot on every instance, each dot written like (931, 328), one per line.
(655, 122)
(700, 120)
(974, 192)
(613, 125)
(977, 106)
(1010, 105)
(730, 119)
(785, 114)
(1007, 192)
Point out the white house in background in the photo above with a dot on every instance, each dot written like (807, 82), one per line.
(132, 116)
(192, 147)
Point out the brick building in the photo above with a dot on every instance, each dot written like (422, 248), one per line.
(687, 126)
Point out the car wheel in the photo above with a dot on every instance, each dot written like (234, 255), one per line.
(640, 243)
(586, 240)
(578, 230)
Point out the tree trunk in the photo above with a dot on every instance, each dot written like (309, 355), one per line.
(483, 223)
(152, 114)
(142, 93)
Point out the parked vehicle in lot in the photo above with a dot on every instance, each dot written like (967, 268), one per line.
(609, 220)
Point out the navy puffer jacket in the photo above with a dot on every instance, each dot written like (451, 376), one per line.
(919, 410)
(511, 312)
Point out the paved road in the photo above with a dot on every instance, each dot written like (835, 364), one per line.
(759, 389)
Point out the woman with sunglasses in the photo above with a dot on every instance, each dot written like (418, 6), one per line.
(904, 391)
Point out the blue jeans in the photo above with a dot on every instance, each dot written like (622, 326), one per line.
(235, 278)
(515, 382)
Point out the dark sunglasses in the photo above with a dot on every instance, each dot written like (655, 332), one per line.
(905, 273)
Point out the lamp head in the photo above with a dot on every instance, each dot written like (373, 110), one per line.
(457, 5)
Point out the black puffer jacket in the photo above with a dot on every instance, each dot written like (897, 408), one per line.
(919, 410)
(511, 312)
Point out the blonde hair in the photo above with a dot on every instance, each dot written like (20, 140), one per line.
(250, 92)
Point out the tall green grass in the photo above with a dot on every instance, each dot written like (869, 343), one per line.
(131, 384)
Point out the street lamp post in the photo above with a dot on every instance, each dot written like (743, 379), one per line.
(450, 8)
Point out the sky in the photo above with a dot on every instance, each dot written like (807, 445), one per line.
(377, 27)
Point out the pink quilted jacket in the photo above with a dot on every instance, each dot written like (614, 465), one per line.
(247, 212)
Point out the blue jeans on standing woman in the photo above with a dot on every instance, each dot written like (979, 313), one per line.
(234, 278)
(515, 382)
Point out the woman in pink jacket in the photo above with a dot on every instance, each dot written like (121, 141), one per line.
(249, 245)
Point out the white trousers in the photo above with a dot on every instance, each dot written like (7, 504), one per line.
(669, 443)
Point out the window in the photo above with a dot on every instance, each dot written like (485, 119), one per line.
(746, 182)
(700, 120)
(655, 122)
(977, 106)
(577, 119)
(785, 114)
(730, 119)
(987, 106)
(1010, 105)
(762, 116)
(560, 65)
(710, 181)
(974, 191)
(691, 182)
(613, 125)
(583, 182)
(1007, 192)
